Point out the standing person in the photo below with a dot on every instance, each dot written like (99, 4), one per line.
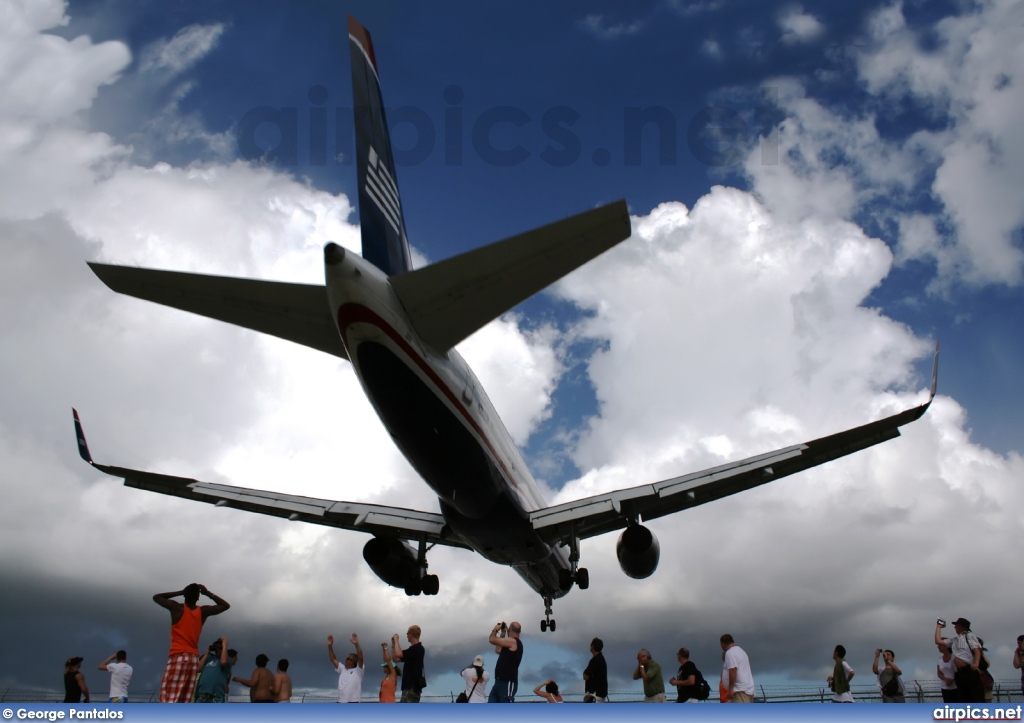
(260, 683)
(596, 675)
(966, 657)
(649, 670)
(476, 681)
(389, 685)
(215, 677)
(550, 692)
(509, 646)
(686, 679)
(987, 683)
(946, 669)
(350, 673)
(282, 688)
(841, 676)
(737, 677)
(186, 624)
(889, 677)
(74, 681)
(1018, 660)
(120, 675)
(413, 678)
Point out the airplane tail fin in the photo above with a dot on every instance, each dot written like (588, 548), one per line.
(380, 207)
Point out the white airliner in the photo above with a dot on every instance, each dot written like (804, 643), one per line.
(398, 326)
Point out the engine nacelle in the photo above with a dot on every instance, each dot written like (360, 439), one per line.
(638, 552)
(392, 560)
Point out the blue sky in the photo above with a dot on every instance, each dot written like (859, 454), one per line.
(822, 191)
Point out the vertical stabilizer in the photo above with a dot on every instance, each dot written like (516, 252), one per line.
(380, 208)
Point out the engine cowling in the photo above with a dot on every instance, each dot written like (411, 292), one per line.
(392, 560)
(638, 551)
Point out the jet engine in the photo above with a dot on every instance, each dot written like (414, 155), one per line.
(638, 552)
(392, 560)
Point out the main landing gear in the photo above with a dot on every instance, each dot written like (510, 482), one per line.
(575, 575)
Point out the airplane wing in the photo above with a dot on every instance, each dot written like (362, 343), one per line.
(296, 312)
(449, 300)
(379, 520)
(596, 515)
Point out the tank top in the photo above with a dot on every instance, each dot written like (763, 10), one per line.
(72, 691)
(508, 663)
(185, 632)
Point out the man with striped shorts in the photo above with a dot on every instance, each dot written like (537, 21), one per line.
(186, 624)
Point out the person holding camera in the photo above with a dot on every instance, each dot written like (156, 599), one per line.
(966, 656)
(215, 673)
(509, 647)
(476, 682)
(889, 677)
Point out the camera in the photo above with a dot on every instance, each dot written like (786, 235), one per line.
(940, 622)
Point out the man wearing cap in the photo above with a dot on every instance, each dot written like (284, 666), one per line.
(1018, 660)
(967, 657)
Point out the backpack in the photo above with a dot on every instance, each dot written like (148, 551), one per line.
(703, 687)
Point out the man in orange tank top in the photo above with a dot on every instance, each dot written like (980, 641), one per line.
(186, 624)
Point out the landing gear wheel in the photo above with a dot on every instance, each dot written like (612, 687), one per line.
(583, 578)
(551, 625)
(543, 626)
(565, 580)
(431, 584)
(414, 588)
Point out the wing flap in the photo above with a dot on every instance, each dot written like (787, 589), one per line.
(297, 312)
(449, 300)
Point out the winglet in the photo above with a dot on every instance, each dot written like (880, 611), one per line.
(935, 372)
(83, 447)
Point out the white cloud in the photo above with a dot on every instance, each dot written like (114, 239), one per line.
(184, 50)
(600, 27)
(969, 79)
(798, 26)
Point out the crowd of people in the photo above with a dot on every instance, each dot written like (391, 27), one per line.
(962, 668)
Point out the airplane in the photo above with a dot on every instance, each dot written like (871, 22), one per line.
(398, 327)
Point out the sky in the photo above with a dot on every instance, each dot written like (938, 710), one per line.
(818, 194)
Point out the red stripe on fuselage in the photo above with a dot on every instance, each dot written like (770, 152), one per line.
(349, 314)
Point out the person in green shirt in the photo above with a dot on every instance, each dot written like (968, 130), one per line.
(649, 670)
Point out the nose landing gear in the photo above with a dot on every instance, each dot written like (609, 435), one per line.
(548, 622)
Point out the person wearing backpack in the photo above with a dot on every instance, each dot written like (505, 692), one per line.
(967, 658)
(889, 677)
(686, 679)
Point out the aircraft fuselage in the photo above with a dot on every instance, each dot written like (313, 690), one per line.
(438, 415)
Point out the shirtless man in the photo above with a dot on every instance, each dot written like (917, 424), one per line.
(282, 688)
(261, 682)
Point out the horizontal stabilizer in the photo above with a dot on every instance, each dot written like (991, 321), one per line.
(296, 312)
(449, 300)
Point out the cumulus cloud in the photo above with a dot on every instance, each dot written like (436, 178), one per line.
(969, 80)
(733, 327)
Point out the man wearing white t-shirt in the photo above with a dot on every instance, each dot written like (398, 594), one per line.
(120, 675)
(736, 675)
(350, 673)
